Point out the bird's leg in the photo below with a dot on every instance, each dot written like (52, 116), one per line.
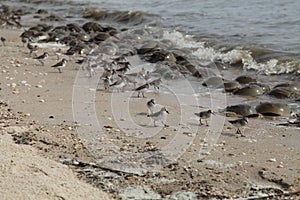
(200, 122)
(59, 70)
(206, 123)
(242, 135)
(154, 123)
(143, 95)
(164, 123)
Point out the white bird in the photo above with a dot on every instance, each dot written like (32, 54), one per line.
(151, 105)
(159, 116)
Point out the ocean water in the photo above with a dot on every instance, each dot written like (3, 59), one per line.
(267, 31)
(263, 36)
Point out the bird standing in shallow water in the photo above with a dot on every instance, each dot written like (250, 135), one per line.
(239, 123)
(204, 115)
(159, 116)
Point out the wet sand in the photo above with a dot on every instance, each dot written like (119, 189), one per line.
(40, 100)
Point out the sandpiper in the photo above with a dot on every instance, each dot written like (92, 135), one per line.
(151, 105)
(24, 41)
(3, 40)
(147, 76)
(119, 84)
(239, 123)
(106, 83)
(159, 116)
(204, 115)
(142, 89)
(60, 65)
(108, 73)
(124, 69)
(31, 48)
(155, 83)
(42, 57)
(58, 53)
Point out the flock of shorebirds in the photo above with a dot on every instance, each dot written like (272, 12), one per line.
(115, 77)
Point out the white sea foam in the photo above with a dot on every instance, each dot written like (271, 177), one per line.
(180, 40)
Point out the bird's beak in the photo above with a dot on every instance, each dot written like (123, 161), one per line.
(167, 111)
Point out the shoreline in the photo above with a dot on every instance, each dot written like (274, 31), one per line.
(236, 167)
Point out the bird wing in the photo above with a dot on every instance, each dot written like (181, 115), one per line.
(57, 64)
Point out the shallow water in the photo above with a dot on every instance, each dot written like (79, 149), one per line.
(261, 35)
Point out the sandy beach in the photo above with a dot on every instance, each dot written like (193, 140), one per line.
(44, 157)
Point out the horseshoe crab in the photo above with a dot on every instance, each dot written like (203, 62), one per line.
(214, 82)
(286, 90)
(250, 90)
(242, 109)
(273, 109)
(264, 87)
(244, 79)
(147, 47)
(292, 86)
(283, 92)
(231, 86)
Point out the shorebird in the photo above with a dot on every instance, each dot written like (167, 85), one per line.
(106, 83)
(60, 65)
(31, 48)
(147, 76)
(42, 57)
(204, 115)
(150, 105)
(108, 73)
(142, 89)
(119, 84)
(3, 40)
(24, 41)
(239, 123)
(124, 69)
(159, 116)
(58, 53)
(155, 83)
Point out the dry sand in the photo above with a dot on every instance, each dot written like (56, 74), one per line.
(266, 161)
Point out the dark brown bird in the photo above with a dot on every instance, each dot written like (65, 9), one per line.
(3, 40)
(60, 65)
(239, 123)
(204, 115)
(42, 57)
(142, 89)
